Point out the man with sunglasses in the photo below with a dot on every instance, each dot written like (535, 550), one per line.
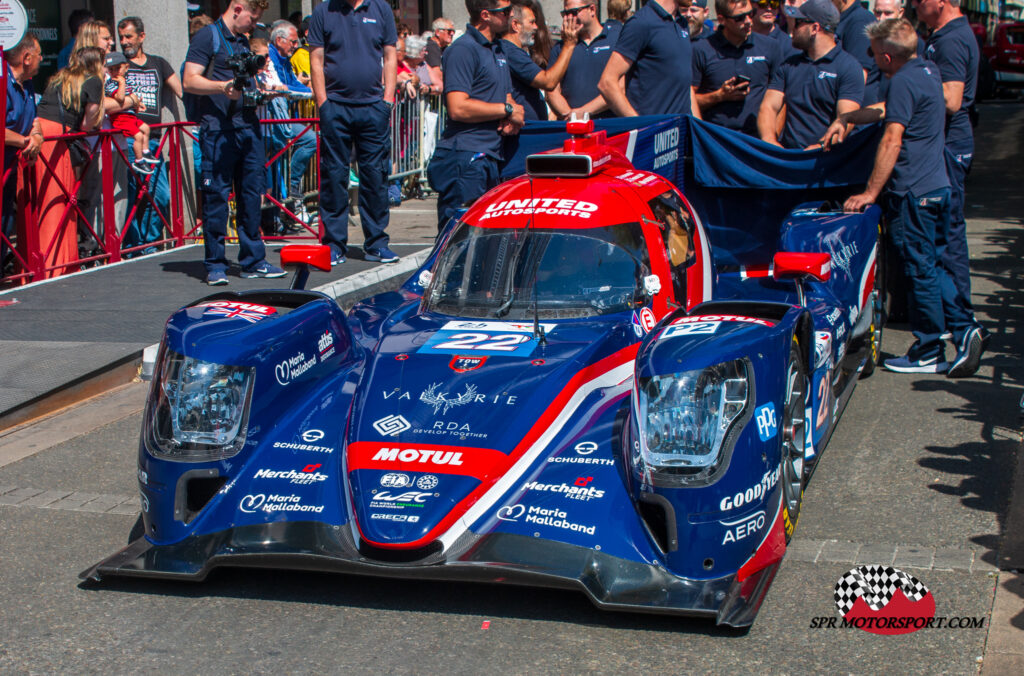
(731, 68)
(853, 20)
(766, 17)
(578, 91)
(816, 85)
(696, 17)
(478, 95)
(443, 32)
(649, 71)
(527, 77)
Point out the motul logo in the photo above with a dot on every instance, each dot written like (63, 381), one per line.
(421, 456)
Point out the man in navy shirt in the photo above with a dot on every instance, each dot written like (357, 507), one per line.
(353, 70)
(231, 141)
(816, 85)
(850, 35)
(696, 17)
(908, 167)
(22, 65)
(649, 71)
(527, 77)
(954, 49)
(766, 17)
(578, 90)
(478, 94)
(731, 69)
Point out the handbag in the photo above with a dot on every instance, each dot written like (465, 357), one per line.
(78, 150)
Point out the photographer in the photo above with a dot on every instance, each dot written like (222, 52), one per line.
(219, 70)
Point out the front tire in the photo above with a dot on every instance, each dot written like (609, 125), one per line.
(794, 438)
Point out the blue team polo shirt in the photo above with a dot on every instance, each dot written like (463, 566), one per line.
(353, 40)
(216, 44)
(478, 67)
(954, 50)
(21, 110)
(915, 101)
(523, 71)
(716, 60)
(658, 45)
(851, 37)
(812, 90)
(705, 32)
(579, 86)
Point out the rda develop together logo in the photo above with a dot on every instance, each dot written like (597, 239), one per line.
(886, 600)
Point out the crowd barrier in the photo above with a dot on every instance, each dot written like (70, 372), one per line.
(110, 213)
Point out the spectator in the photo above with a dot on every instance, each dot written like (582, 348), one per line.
(888, 9)
(22, 65)
(284, 40)
(95, 34)
(731, 69)
(954, 50)
(232, 144)
(851, 36)
(415, 51)
(540, 50)
(619, 12)
(478, 93)
(75, 20)
(72, 102)
(155, 80)
(909, 167)
(354, 68)
(403, 31)
(444, 32)
(766, 17)
(527, 77)
(816, 85)
(649, 71)
(197, 22)
(696, 16)
(127, 122)
(300, 59)
(578, 90)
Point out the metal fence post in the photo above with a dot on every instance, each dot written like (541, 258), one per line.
(111, 241)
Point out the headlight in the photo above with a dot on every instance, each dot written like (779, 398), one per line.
(201, 409)
(684, 417)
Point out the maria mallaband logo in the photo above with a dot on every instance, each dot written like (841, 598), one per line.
(886, 600)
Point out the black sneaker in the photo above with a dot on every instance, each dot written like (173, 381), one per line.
(142, 167)
(968, 355)
(148, 157)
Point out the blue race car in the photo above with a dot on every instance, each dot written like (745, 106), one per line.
(569, 393)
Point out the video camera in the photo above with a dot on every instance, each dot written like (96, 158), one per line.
(245, 66)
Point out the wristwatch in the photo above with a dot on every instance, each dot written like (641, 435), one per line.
(508, 109)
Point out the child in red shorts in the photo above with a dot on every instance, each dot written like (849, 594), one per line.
(127, 122)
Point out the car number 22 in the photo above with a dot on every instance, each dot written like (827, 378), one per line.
(451, 342)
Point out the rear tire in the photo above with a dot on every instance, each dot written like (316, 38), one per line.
(794, 438)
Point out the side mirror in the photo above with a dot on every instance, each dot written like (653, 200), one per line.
(799, 265)
(301, 257)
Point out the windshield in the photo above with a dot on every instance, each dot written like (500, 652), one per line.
(506, 272)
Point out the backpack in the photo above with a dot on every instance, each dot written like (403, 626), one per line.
(191, 101)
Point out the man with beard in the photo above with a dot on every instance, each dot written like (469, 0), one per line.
(649, 71)
(578, 93)
(527, 77)
(731, 68)
(478, 95)
(816, 85)
(696, 15)
(152, 78)
(954, 50)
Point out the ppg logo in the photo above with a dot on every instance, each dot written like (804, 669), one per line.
(767, 425)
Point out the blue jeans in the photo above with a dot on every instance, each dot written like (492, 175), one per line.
(368, 128)
(232, 160)
(459, 177)
(147, 226)
(303, 150)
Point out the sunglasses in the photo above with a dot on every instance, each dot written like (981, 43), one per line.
(500, 10)
(574, 11)
(769, 4)
(739, 18)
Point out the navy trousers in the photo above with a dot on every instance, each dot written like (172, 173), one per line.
(952, 242)
(367, 128)
(459, 177)
(233, 159)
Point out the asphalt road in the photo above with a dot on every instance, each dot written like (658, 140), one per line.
(918, 474)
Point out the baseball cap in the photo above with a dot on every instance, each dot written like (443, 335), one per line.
(703, 4)
(114, 59)
(821, 12)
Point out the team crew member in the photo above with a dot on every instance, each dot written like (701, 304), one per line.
(578, 90)
(908, 167)
(954, 50)
(850, 35)
(444, 31)
(731, 69)
(816, 85)
(649, 71)
(619, 12)
(766, 17)
(527, 77)
(354, 68)
(696, 15)
(478, 93)
(231, 142)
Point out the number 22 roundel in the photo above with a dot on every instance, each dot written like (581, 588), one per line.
(484, 338)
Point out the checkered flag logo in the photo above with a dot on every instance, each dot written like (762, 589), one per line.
(391, 425)
(876, 585)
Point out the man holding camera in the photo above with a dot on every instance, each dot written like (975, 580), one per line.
(218, 70)
(353, 71)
